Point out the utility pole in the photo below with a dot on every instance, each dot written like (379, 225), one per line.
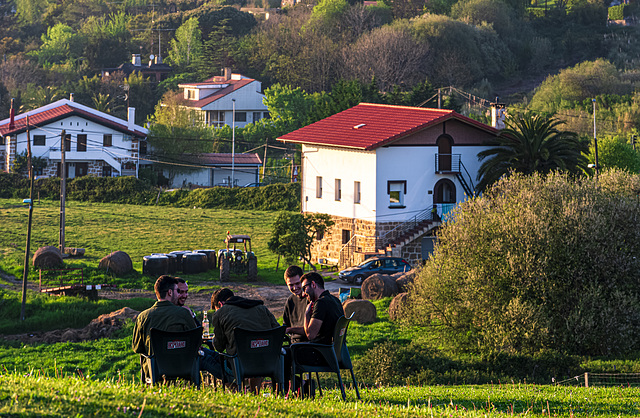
(595, 138)
(264, 160)
(233, 142)
(25, 272)
(63, 187)
(633, 141)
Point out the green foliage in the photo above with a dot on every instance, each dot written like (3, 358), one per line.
(538, 263)
(59, 44)
(531, 144)
(618, 12)
(186, 47)
(21, 164)
(614, 152)
(294, 234)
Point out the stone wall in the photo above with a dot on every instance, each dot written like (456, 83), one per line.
(10, 152)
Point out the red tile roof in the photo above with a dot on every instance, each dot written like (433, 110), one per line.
(233, 85)
(225, 159)
(369, 126)
(52, 113)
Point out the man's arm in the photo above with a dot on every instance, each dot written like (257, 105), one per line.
(311, 325)
(137, 344)
(220, 339)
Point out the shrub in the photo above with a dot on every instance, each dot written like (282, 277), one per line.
(538, 263)
(617, 12)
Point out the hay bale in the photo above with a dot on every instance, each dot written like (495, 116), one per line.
(378, 286)
(47, 257)
(74, 252)
(397, 306)
(405, 281)
(364, 312)
(118, 262)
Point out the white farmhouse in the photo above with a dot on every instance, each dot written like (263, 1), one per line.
(387, 175)
(220, 99)
(96, 143)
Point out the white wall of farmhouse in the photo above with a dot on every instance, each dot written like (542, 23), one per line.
(349, 166)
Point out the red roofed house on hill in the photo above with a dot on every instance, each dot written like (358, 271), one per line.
(387, 175)
(213, 99)
(96, 144)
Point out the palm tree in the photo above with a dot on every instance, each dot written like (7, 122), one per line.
(531, 143)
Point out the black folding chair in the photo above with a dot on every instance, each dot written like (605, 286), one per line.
(174, 356)
(258, 354)
(330, 358)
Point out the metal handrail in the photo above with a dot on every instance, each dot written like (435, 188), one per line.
(455, 162)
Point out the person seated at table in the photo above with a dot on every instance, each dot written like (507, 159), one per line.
(296, 305)
(183, 294)
(166, 315)
(234, 311)
(323, 310)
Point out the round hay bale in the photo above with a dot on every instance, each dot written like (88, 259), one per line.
(364, 312)
(212, 256)
(194, 263)
(74, 252)
(118, 262)
(397, 305)
(155, 265)
(405, 281)
(47, 257)
(378, 286)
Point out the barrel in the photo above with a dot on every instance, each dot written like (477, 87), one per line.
(179, 259)
(155, 265)
(194, 263)
(211, 257)
(173, 261)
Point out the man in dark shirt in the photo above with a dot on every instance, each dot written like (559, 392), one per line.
(296, 305)
(323, 311)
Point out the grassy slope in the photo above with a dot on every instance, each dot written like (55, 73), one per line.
(36, 394)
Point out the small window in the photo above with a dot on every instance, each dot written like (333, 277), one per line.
(265, 115)
(338, 190)
(107, 140)
(396, 190)
(191, 94)
(257, 116)
(143, 147)
(346, 236)
(241, 116)
(39, 140)
(356, 192)
(67, 143)
(82, 143)
(319, 187)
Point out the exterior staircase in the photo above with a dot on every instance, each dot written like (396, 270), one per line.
(410, 230)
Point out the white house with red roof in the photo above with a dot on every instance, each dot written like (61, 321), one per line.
(387, 175)
(215, 169)
(221, 99)
(96, 143)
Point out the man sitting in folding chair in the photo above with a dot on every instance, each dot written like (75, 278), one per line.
(321, 317)
(165, 315)
(237, 312)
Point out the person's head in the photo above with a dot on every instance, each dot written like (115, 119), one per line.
(183, 291)
(219, 297)
(312, 285)
(292, 277)
(166, 288)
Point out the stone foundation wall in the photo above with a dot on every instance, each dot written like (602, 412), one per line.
(10, 152)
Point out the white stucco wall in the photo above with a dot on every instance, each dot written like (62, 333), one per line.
(347, 165)
(248, 99)
(217, 176)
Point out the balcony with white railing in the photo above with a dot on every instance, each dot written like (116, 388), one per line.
(93, 155)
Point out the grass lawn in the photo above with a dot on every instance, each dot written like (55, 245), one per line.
(136, 230)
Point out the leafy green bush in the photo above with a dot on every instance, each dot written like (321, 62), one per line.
(538, 263)
(617, 12)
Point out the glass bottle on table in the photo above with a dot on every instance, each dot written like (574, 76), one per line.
(205, 324)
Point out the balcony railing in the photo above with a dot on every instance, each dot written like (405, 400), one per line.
(448, 163)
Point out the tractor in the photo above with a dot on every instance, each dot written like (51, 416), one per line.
(237, 260)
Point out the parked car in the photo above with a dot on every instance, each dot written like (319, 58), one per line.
(370, 266)
(253, 185)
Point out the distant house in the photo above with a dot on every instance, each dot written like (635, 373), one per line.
(96, 143)
(156, 70)
(220, 100)
(387, 175)
(215, 169)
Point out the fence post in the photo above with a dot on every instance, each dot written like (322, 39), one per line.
(586, 379)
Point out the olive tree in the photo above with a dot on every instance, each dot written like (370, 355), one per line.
(538, 262)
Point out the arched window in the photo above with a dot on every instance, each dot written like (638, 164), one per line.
(444, 192)
(444, 143)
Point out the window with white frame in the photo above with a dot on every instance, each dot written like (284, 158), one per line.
(216, 118)
(257, 116)
(241, 116)
(338, 190)
(396, 189)
(356, 192)
(107, 140)
(319, 187)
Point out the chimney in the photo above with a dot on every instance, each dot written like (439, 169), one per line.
(71, 98)
(498, 114)
(135, 60)
(227, 73)
(131, 117)
(12, 116)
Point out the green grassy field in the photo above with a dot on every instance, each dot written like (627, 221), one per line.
(136, 230)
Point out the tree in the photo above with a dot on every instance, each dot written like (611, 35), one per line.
(294, 233)
(614, 152)
(186, 47)
(529, 144)
(537, 263)
(59, 44)
(21, 164)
